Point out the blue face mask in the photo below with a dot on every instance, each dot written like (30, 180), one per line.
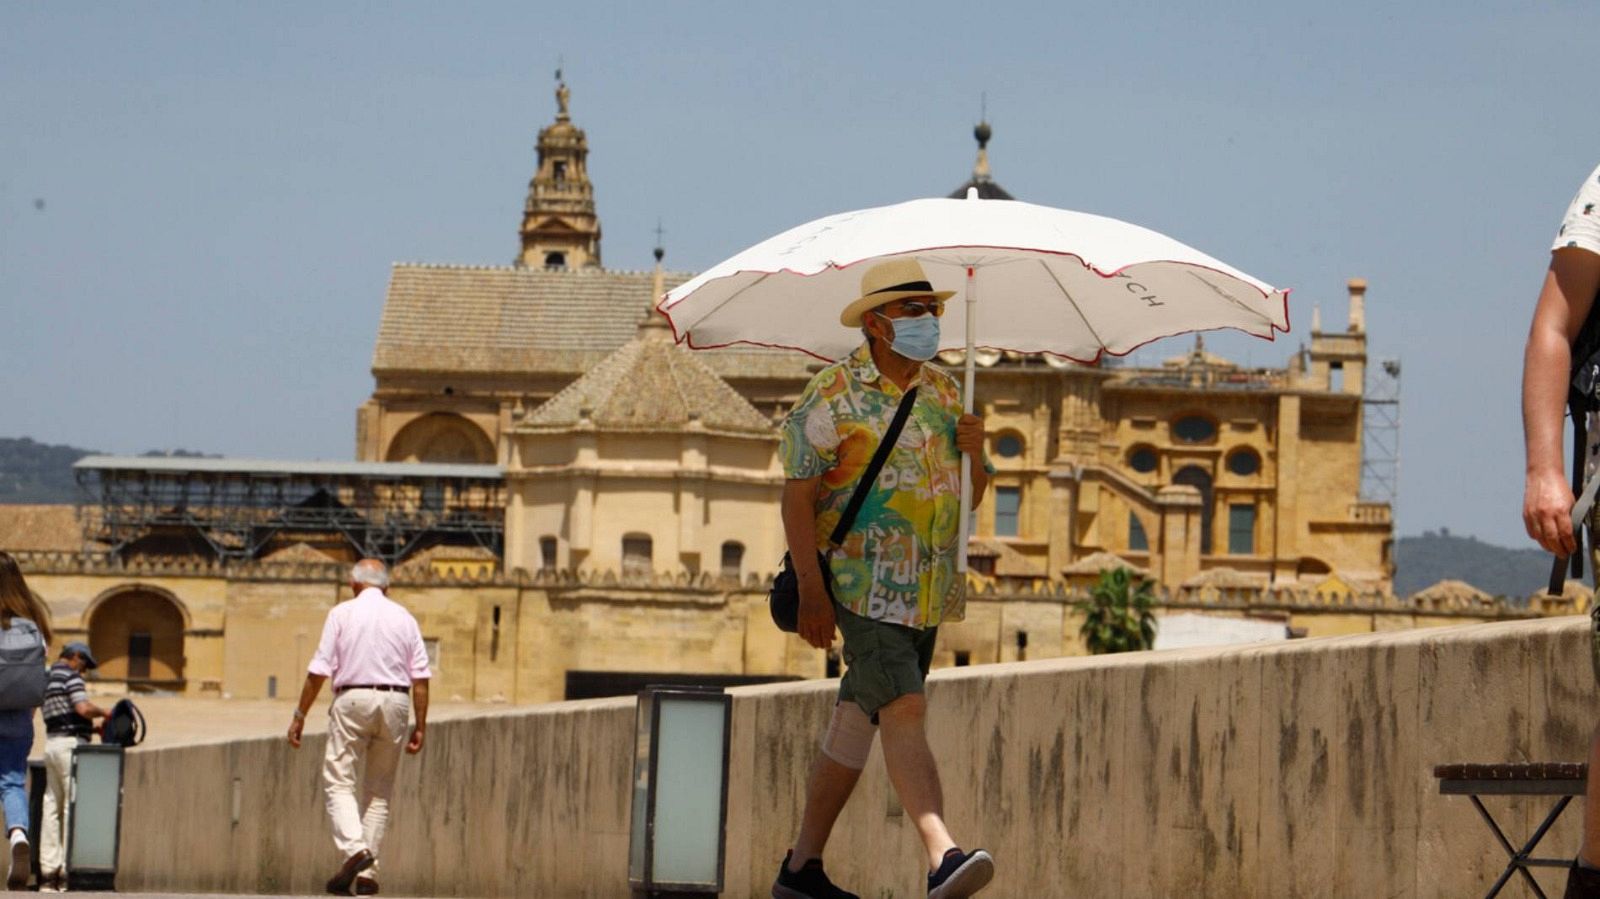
(916, 338)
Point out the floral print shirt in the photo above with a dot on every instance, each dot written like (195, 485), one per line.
(898, 563)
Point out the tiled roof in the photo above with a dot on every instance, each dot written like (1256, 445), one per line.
(455, 318)
(40, 528)
(1008, 562)
(1094, 563)
(649, 385)
(1227, 578)
(1451, 589)
(298, 552)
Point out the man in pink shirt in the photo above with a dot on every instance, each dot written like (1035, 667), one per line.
(372, 649)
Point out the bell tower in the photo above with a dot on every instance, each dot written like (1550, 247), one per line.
(559, 225)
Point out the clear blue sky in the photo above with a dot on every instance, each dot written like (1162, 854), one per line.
(224, 186)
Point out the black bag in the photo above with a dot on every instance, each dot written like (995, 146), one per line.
(124, 726)
(1583, 397)
(784, 600)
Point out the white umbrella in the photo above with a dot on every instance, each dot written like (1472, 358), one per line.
(1052, 281)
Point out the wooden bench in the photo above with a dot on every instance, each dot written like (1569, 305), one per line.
(1562, 780)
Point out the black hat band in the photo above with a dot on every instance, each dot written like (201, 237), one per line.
(918, 286)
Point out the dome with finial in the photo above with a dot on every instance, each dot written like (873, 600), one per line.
(981, 179)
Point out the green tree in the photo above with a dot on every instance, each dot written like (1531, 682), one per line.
(1117, 614)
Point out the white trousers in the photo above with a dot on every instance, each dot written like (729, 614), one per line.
(368, 726)
(53, 827)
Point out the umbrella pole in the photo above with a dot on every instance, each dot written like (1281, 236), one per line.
(966, 459)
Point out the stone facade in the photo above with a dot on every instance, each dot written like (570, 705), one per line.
(248, 631)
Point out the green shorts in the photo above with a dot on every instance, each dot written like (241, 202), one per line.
(883, 661)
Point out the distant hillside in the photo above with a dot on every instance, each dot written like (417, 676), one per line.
(1437, 555)
(33, 472)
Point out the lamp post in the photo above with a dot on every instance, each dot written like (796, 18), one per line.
(680, 790)
(95, 819)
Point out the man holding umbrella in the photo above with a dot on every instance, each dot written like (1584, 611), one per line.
(894, 579)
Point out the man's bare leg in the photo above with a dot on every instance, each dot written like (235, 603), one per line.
(913, 772)
(827, 791)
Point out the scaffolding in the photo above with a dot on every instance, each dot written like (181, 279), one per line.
(1380, 434)
(237, 509)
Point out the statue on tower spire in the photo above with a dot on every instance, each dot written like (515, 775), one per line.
(563, 96)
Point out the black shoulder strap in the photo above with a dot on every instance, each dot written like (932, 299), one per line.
(870, 476)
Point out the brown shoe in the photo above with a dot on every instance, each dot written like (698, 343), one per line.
(366, 886)
(341, 884)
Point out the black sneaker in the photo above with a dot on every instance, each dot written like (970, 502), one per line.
(807, 883)
(1582, 883)
(961, 874)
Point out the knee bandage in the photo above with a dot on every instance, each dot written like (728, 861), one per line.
(849, 736)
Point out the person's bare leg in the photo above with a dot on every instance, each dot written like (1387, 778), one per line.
(914, 773)
(827, 791)
(1590, 854)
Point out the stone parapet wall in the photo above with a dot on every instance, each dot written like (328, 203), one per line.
(1293, 769)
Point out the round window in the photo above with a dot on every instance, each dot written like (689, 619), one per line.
(1009, 446)
(1194, 429)
(1143, 460)
(1244, 462)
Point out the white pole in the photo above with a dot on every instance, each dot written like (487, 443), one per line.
(966, 459)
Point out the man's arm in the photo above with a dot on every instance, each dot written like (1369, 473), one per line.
(800, 529)
(89, 710)
(1564, 301)
(308, 696)
(419, 707)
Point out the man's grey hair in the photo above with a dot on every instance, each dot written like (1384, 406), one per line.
(370, 573)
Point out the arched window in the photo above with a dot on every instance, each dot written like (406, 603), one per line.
(732, 560)
(137, 636)
(636, 555)
(555, 260)
(1200, 479)
(1194, 429)
(442, 437)
(1138, 540)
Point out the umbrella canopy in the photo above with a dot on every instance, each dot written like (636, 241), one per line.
(1051, 281)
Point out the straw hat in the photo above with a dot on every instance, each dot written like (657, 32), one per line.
(896, 279)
